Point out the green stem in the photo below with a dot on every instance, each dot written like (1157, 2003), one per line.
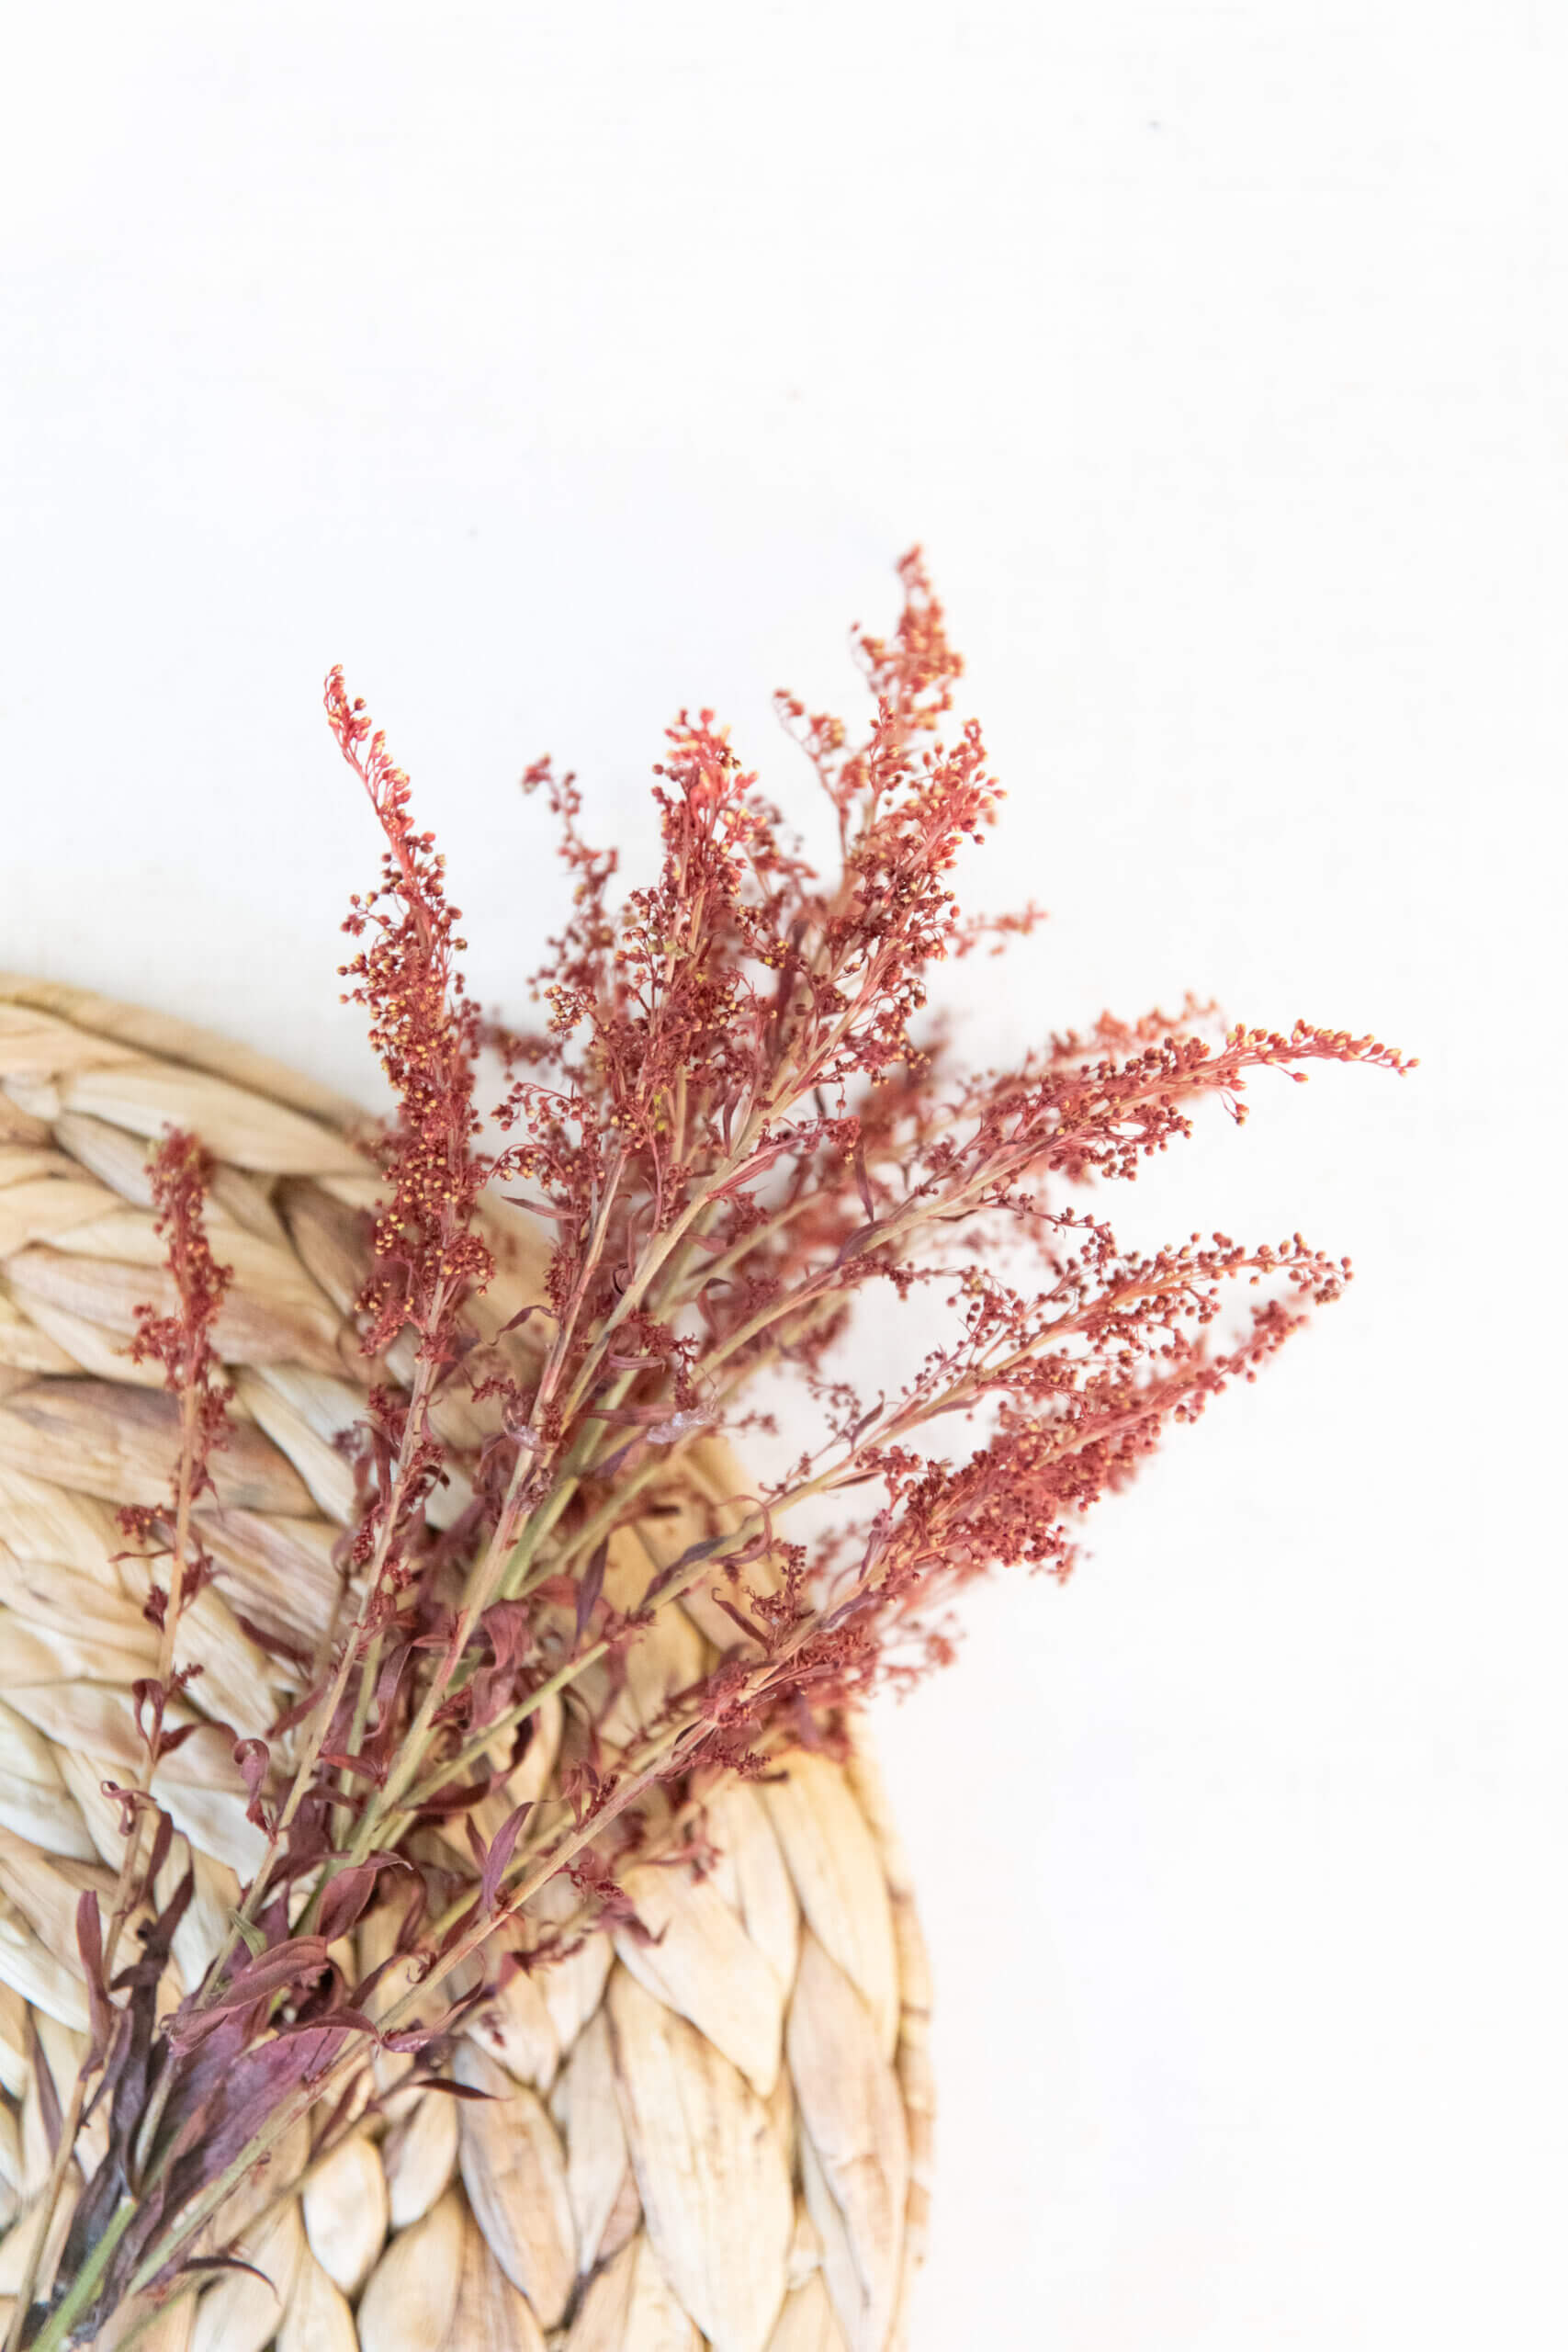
(84, 2287)
(512, 1717)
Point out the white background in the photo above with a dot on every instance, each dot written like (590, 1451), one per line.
(554, 366)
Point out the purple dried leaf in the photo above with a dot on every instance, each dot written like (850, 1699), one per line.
(500, 1854)
(205, 2262)
(345, 1898)
(362, 1768)
(274, 1972)
(442, 1803)
(507, 1627)
(129, 1800)
(862, 1180)
(253, 1759)
(738, 1616)
(90, 1944)
(688, 1558)
(348, 2020)
(590, 1584)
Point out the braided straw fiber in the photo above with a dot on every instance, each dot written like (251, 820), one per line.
(718, 2138)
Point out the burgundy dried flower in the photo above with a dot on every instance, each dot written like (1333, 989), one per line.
(733, 1123)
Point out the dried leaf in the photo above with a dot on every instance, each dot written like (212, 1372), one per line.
(256, 2190)
(523, 1783)
(51, 1524)
(11, 2191)
(37, 1212)
(412, 2294)
(15, 2247)
(115, 1029)
(807, 2323)
(855, 2152)
(626, 2216)
(572, 1987)
(347, 1898)
(14, 2063)
(302, 1412)
(45, 1889)
(420, 2156)
(498, 1854)
(589, 1587)
(345, 2208)
(19, 1162)
(514, 2027)
(492, 2316)
(596, 2157)
(87, 1652)
(704, 1964)
(318, 2318)
(171, 2331)
(90, 1944)
(46, 1817)
(118, 1443)
(203, 1928)
(278, 1573)
(712, 2177)
(30, 1968)
(238, 2313)
(630, 2307)
(515, 2176)
(833, 1860)
(666, 1658)
(119, 1160)
(285, 1322)
(26, 1345)
(333, 1240)
(600, 2321)
(737, 1821)
(248, 1129)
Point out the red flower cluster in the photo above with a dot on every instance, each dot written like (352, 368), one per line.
(184, 1342)
(425, 1030)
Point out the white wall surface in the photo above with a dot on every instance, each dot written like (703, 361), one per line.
(552, 367)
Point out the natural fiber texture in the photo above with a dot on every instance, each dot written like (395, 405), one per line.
(719, 2137)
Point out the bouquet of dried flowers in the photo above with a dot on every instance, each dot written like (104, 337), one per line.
(729, 1129)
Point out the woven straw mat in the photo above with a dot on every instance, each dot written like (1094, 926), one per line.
(718, 2138)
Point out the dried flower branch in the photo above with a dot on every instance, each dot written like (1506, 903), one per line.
(729, 1122)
